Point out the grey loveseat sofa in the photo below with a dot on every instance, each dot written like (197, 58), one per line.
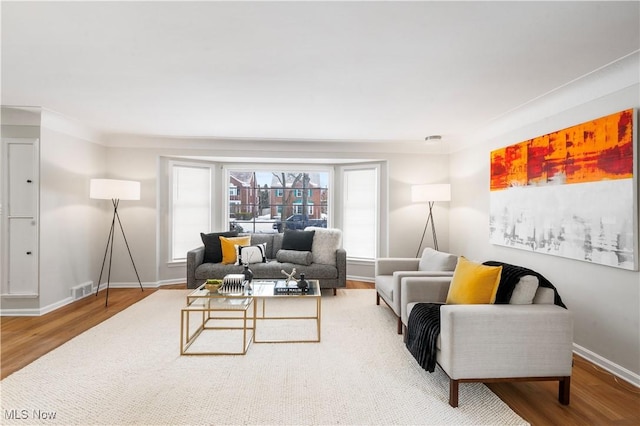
(331, 274)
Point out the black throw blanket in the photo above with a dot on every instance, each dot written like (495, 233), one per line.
(422, 333)
(510, 276)
(423, 327)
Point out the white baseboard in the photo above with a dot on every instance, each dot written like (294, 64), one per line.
(171, 282)
(357, 278)
(134, 284)
(605, 364)
(57, 305)
(35, 312)
(31, 312)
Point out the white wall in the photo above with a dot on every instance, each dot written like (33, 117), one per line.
(605, 300)
(139, 218)
(406, 219)
(73, 228)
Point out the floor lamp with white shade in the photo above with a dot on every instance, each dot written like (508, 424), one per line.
(114, 190)
(430, 194)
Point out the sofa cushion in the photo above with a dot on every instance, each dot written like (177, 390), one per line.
(297, 240)
(229, 247)
(473, 283)
(433, 260)
(212, 247)
(295, 256)
(325, 243)
(246, 255)
(525, 290)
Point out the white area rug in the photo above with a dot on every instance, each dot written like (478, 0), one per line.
(128, 370)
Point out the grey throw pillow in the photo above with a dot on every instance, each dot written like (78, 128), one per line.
(525, 290)
(433, 260)
(325, 243)
(295, 256)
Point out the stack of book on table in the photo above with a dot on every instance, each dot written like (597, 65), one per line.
(290, 287)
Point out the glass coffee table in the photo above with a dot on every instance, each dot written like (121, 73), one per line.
(264, 293)
(210, 312)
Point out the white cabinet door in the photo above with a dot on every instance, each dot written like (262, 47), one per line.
(22, 185)
(23, 266)
(20, 177)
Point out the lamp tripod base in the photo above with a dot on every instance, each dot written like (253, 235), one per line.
(433, 230)
(109, 250)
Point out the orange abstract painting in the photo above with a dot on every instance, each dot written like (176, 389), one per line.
(597, 150)
(570, 193)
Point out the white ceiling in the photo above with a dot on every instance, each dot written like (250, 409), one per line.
(341, 71)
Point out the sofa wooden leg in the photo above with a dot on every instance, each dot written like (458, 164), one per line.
(399, 325)
(453, 393)
(335, 291)
(564, 387)
(377, 298)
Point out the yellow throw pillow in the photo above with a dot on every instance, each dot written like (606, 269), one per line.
(473, 283)
(228, 245)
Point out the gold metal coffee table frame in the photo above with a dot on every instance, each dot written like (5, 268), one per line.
(264, 291)
(209, 308)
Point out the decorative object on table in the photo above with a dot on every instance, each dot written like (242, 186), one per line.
(213, 285)
(302, 283)
(232, 284)
(248, 278)
(114, 190)
(430, 194)
(248, 273)
(290, 277)
(289, 287)
(570, 193)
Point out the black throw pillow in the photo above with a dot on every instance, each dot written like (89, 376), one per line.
(212, 246)
(297, 240)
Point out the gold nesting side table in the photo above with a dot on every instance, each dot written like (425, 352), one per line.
(211, 310)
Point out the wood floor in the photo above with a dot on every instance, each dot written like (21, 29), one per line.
(597, 397)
